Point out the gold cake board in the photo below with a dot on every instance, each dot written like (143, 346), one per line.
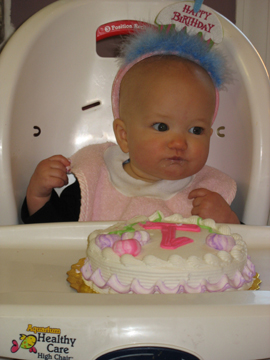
(75, 278)
(76, 281)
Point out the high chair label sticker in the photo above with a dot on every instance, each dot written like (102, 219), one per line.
(182, 16)
(44, 343)
(121, 27)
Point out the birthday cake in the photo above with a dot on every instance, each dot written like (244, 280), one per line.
(167, 256)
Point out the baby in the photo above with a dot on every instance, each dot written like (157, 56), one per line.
(165, 99)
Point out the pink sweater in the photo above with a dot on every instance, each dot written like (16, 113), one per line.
(101, 201)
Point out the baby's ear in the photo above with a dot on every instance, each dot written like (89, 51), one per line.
(120, 131)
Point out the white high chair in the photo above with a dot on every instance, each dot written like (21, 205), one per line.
(49, 71)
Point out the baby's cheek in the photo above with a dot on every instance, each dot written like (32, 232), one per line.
(145, 158)
(200, 148)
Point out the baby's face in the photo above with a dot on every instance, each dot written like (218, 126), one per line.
(167, 114)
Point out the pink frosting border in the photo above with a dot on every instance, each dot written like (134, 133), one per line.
(239, 280)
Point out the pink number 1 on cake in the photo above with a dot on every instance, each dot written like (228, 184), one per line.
(168, 231)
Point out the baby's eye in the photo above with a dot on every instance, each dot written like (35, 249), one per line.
(160, 127)
(196, 130)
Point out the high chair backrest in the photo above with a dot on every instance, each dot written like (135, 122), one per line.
(55, 98)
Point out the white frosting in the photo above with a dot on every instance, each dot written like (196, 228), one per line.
(194, 267)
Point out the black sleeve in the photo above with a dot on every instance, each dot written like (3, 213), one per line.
(57, 209)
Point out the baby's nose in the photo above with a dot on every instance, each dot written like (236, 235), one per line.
(178, 142)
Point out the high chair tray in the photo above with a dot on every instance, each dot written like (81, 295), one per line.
(35, 298)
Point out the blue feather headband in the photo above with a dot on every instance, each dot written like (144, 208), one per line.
(153, 41)
(191, 47)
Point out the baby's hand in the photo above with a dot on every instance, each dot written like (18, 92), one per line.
(50, 173)
(209, 204)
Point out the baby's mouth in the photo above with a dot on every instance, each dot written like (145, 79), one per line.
(176, 161)
(176, 158)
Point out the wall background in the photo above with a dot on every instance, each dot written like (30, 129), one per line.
(251, 16)
(21, 10)
(17, 12)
